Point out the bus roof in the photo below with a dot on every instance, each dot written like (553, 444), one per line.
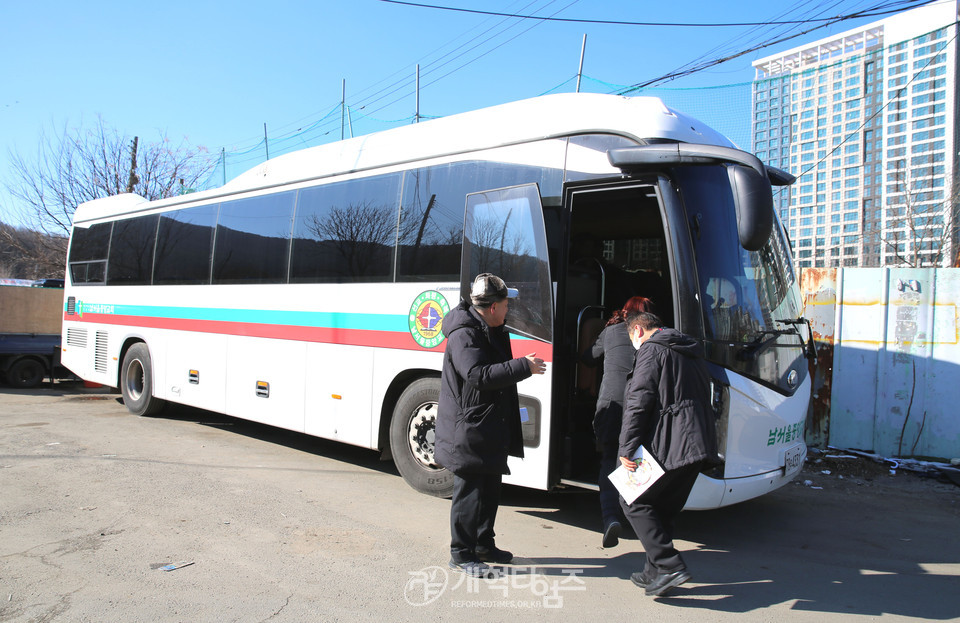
(545, 117)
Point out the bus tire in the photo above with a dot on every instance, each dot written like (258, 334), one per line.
(412, 430)
(26, 373)
(136, 382)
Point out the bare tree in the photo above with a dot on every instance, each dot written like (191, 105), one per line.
(76, 165)
(921, 219)
(27, 254)
(359, 233)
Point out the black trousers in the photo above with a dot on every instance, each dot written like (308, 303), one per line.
(473, 512)
(609, 496)
(652, 516)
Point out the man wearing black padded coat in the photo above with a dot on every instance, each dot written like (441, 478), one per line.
(667, 409)
(478, 422)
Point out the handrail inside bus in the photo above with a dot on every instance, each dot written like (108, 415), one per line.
(603, 277)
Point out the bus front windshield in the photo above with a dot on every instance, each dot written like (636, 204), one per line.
(747, 296)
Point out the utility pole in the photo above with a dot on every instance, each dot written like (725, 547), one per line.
(343, 105)
(583, 50)
(417, 118)
(133, 179)
(266, 144)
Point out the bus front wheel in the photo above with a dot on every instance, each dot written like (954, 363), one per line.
(136, 382)
(412, 433)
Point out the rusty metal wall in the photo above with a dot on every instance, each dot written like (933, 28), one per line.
(891, 337)
(819, 287)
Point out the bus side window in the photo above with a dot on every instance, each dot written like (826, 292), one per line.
(253, 239)
(431, 215)
(185, 245)
(88, 253)
(431, 223)
(131, 251)
(346, 232)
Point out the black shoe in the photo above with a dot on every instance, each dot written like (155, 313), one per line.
(494, 554)
(666, 581)
(641, 579)
(611, 534)
(472, 568)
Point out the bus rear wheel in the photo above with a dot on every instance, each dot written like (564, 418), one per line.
(412, 435)
(136, 382)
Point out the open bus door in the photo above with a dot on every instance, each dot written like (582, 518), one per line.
(619, 246)
(504, 234)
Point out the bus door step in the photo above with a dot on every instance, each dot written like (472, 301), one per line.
(580, 483)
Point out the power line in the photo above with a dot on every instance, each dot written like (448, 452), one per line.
(386, 96)
(756, 34)
(883, 8)
(614, 22)
(405, 80)
(450, 57)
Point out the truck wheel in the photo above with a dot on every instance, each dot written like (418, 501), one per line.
(412, 432)
(136, 382)
(26, 373)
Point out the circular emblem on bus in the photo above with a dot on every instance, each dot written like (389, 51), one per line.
(426, 318)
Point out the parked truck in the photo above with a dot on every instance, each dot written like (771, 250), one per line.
(30, 319)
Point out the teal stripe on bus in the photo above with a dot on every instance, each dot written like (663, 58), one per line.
(358, 321)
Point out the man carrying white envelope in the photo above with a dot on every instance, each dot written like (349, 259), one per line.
(667, 414)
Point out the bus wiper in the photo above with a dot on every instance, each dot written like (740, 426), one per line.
(809, 347)
(765, 339)
(768, 337)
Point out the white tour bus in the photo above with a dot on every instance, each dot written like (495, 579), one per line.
(309, 292)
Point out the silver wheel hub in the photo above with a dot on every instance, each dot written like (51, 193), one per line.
(134, 379)
(422, 434)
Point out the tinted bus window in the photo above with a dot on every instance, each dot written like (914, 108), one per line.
(253, 239)
(131, 251)
(504, 234)
(91, 243)
(88, 253)
(431, 223)
(346, 232)
(185, 246)
(88, 272)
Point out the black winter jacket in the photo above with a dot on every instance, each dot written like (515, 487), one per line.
(478, 422)
(667, 403)
(614, 348)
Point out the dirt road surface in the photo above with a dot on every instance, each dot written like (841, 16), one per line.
(192, 516)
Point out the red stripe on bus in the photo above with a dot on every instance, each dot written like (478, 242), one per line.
(327, 335)
(323, 335)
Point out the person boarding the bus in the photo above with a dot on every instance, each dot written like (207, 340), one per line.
(667, 409)
(613, 347)
(478, 422)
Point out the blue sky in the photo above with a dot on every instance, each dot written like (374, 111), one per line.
(213, 73)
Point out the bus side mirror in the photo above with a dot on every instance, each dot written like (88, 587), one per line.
(753, 201)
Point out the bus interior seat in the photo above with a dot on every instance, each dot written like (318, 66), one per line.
(588, 377)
